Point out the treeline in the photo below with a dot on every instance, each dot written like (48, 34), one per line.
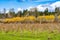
(32, 12)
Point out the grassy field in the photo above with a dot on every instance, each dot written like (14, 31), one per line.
(17, 31)
(27, 35)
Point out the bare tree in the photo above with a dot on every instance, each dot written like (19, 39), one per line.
(57, 11)
(4, 11)
(34, 11)
(19, 14)
(11, 13)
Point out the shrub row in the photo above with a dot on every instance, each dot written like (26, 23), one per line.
(31, 19)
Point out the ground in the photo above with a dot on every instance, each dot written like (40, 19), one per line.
(29, 31)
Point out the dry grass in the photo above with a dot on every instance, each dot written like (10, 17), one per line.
(29, 26)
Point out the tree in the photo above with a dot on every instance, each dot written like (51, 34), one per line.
(11, 13)
(25, 13)
(46, 11)
(4, 11)
(19, 13)
(34, 12)
(57, 11)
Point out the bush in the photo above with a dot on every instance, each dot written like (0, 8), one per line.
(45, 18)
(30, 19)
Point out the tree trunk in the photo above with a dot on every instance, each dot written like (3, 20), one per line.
(56, 18)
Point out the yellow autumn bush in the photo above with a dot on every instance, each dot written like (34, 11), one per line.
(30, 18)
(51, 17)
(46, 18)
(15, 19)
(20, 19)
(9, 20)
(40, 18)
(59, 17)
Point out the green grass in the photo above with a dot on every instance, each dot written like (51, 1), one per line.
(28, 35)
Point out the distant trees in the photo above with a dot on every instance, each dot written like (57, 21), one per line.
(32, 12)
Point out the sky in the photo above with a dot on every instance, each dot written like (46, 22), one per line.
(27, 4)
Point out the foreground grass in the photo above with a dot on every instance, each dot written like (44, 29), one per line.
(28, 35)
